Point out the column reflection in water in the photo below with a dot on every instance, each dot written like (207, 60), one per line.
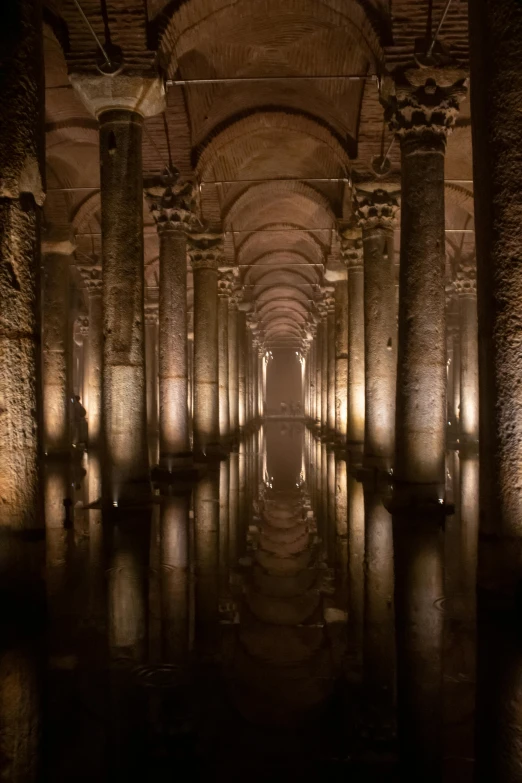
(241, 529)
(206, 518)
(224, 531)
(233, 503)
(341, 529)
(419, 590)
(356, 570)
(174, 576)
(460, 623)
(379, 632)
(330, 499)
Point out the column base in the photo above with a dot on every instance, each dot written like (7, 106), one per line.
(213, 452)
(175, 468)
(418, 499)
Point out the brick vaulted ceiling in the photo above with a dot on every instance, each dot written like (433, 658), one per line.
(275, 155)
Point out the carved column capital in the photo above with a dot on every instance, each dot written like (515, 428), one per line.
(466, 279)
(226, 282)
(92, 279)
(425, 101)
(352, 247)
(206, 251)
(174, 206)
(376, 208)
(83, 325)
(151, 313)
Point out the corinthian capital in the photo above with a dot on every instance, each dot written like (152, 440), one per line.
(174, 205)
(466, 279)
(226, 282)
(424, 101)
(351, 246)
(376, 208)
(206, 251)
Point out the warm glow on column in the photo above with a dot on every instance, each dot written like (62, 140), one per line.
(174, 576)
(469, 518)
(224, 520)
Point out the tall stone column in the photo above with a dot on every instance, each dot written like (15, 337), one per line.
(22, 603)
(336, 273)
(352, 251)
(377, 212)
(120, 102)
(261, 367)
(324, 365)
(57, 248)
(21, 197)
(241, 350)
(423, 105)
(225, 288)
(496, 67)
(330, 345)
(466, 286)
(319, 343)
(83, 346)
(92, 280)
(174, 207)
(206, 252)
(151, 366)
(233, 356)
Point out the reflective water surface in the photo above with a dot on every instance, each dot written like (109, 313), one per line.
(244, 626)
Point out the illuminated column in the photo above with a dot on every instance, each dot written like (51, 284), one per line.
(206, 253)
(324, 363)
(92, 279)
(151, 366)
(21, 196)
(206, 566)
(379, 632)
(241, 345)
(225, 286)
(57, 248)
(174, 576)
(261, 370)
(353, 257)
(233, 393)
(120, 102)
(423, 105)
(83, 338)
(377, 213)
(337, 274)
(330, 330)
(496, 57)
(423, 108)
(318, 372)
(173, 206)
(466, 286)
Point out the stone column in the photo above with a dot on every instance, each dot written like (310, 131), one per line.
(336, 273)
(330, 344)
(225, 287)
(206, 252)
(377, 213)
(353, 257)
(57, 248)
(174, 207)
(466, 287)
(92, 279)
(496, 59)
(120, 102)
(233, 356)
(324, 365)
(319, 342)
(261, 379)
(423, 106)
(151, 366)
(83, 336)
(241, 346)
(22, 604)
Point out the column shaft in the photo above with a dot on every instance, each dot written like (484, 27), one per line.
(151, 366)
(55, 365)
(223, 372)
(469, 371)
(94, 360)
(380, 346)
(241, 340)
(173, 348)
(233, 398)
(355, 354)
(21, 195)
(331, 365)
(319, 343)
(341, 357)
(124, 384)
